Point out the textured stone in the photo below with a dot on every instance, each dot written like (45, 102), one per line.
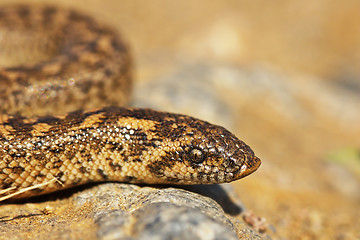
(125, 211)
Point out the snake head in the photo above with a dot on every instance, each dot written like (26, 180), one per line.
(219, 156)
(202, 153)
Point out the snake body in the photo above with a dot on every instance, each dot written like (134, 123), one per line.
(58, 60)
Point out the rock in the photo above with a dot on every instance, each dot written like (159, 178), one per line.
(125, 211)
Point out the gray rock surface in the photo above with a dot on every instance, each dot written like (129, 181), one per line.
(125, 211)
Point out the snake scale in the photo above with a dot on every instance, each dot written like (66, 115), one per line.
(54, 61)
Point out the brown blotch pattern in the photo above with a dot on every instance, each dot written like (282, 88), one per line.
(86, 65)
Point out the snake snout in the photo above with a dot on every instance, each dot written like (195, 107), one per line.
(242, 158)
(250, 165)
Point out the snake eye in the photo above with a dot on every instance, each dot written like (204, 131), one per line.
(196, 155)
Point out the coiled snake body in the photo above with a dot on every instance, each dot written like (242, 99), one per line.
(56, 60)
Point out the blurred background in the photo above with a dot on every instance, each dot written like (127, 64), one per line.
(284, 76)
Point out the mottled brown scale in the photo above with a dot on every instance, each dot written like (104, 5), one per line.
(54, 61)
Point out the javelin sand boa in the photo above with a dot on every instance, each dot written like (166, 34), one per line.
(56, 61)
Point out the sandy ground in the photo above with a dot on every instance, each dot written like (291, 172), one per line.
(305, 127)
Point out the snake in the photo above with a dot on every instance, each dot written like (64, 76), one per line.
(65, 85)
